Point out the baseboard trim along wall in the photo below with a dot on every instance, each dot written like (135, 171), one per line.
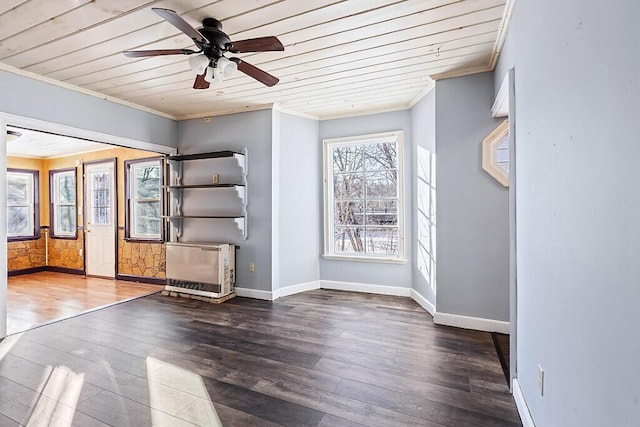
(466, 322)
(296, 289)
(254, 293)
(521, 404)
(423, 302)
(141, 279)
(366, 288)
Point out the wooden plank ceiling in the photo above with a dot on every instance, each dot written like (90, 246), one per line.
(342, 57)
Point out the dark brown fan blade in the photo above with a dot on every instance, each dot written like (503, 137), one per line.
(200, 82)
(255, 72)
(140, 53)
(261, 44)
(176, 20)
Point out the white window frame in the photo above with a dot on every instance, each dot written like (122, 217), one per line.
(56, 203)
(133, 199)
(31, 203)
(398, 138)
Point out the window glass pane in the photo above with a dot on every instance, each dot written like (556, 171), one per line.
(382, 241)
(65, 218)
(349, 213)
(18, 221)
(348, 186)
(348, 240)
(18, 188)
(348, 158)
(380, 156)
(382, 212)
(382, 183)
(101, 198)
(502, 154)
(147, 218)
(147, 182)
(66, 187)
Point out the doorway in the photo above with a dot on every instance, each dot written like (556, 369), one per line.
(100, 208)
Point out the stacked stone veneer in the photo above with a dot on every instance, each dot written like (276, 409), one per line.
(141, 259)
(65, 253)
(26, 253)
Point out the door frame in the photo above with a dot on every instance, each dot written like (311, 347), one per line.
(114, 161)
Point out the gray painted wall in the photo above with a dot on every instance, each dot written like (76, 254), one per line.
(423, 131)
(368, 272)
(26, 97)
(233, 132)
(300, 205)
(577, 74)
(471, 207)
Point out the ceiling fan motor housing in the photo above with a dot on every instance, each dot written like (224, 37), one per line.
(218, 40)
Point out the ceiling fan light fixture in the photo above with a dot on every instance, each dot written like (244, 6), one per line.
(225, 68)
(210, 76)
(198, 63)
(13, 135)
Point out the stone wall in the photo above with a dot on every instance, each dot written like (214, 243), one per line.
(141, 259)
(65, 253)
(27, 253)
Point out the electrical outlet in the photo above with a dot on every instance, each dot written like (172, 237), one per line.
(541, 380)
(252, 267)
(80, 252)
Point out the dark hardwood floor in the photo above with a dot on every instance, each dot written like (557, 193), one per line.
(321, 358)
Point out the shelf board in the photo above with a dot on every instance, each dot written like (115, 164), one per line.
(200, 156)
(204, 216)
(204, 186)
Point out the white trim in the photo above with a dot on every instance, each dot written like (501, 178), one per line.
(328, 197)
(467, 322)
(366, 259)
(254, 293)
(366, 288)
(502, 33)
(423, 302)
(430, 86)
(279, 108)
(58, 129)
(33, 76)
(500, 107)
(521, 404)
(296, 289)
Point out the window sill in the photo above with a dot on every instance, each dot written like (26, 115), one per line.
(72, 237)
(365, 259)
(22, 238)
(135, 240)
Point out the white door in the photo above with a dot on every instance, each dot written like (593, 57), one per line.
(100, 211)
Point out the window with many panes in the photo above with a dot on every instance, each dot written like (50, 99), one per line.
(23, 214)
(363, 197)
(63, 210)
(144, 179)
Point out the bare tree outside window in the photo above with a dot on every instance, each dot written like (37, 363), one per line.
(21, 203)
(365, 198)
(145, 180)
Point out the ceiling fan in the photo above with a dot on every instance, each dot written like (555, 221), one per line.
(210, 62)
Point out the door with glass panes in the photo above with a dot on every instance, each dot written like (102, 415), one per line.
(100, 211)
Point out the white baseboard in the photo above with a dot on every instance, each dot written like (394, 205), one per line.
(296, 289)
(466, 322)
(366, 288)
(254, 293)
(424, 303)
(521, 404)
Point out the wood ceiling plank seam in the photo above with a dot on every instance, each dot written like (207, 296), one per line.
(145, 16)
(96, 24)
(284, 84)
(441, 33)
(8, 5)
(111, 83)
(406, 95)
(36, 16)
